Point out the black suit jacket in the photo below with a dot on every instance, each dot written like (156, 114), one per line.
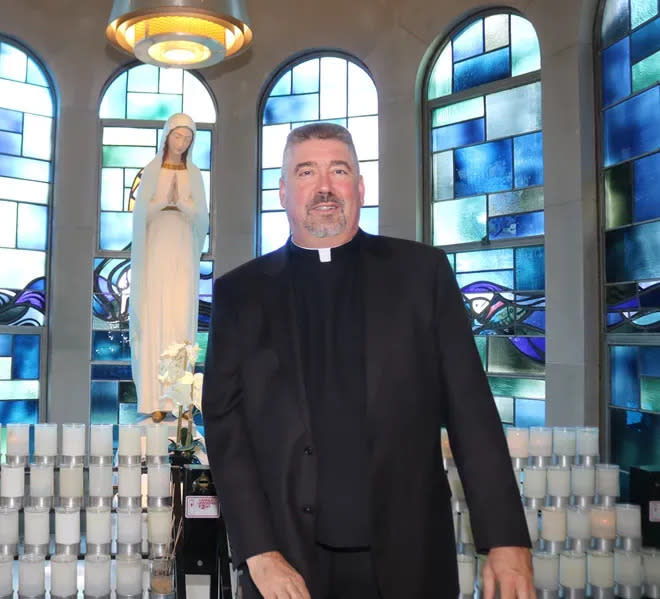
(422, 371)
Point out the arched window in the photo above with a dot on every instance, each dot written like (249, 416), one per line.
(483, 149)
(327, 87)
(629, 101)
(27, 133)
(133, 109)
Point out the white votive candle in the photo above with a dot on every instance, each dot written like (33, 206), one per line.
(8, 526)
(157, 440)
(559, 481)
(607, 480)
(97, 575)
(628, 520)
(37, 525)
(159, 525)
(540, 441)
(578, 522)
(45, 439)
(158, 480)
(129, 481)
(627, 567)
(100, 439)
(651, 565)
(600, 569)
(42, 478)
(586, 441)
(12, 481)
(100, 480)
(532, 519)
(534, 481)
(18, 439)
(6, 575)
(67, 525)
(71, 481)
(553, 523)
(583, 481)
(603, 522)
(467, 570)
(563, 440)
(129, 439)
(31, 575)
(129, 525)
(573, 570)
(518, 441)
(63, 575)
(445, 446)
(546, 570)
(455, 483)
(129, 575)
(99, 529)
(73, 439)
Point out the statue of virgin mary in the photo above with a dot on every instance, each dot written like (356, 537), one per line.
(170, 222)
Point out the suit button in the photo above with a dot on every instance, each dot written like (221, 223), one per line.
(308, 509)
(308, 450)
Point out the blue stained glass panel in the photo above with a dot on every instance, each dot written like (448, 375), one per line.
(116, 230)
(649, 361)
(460, 134)
(503, 278)
(283, 85)
(11, 120)
(143, 78)
(32, 229)
(286, 109)
(19, 411)
(35, 74)
(5, 344)
(645, 41)
(615, 22)
(483, 169)
(632, 254)
(114, 372)
(484, 260)
(518, 225)
(10, 143)
(113, 104)
(530, 412)
(624, 376)
(482, 69)
(110, 346)
(25, 364)
(616, 71)
(305, 77)
(647, 183)
(128, 413)
(530, 268)
(632, 127)
(25, 168)
(270, 178)
(201, 155)
(104, 402)
(528, 159)
(369, 219)
(470, 41)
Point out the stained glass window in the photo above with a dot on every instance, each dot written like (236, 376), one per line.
(485, 171)
(629, 58)
(133, 110)
(331, 88)
(27, 123)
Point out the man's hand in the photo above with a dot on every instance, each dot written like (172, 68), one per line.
(510, 569)
(275, 577)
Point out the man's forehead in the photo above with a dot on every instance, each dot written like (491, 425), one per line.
(319, 150)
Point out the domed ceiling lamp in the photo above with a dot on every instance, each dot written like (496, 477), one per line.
(180, 33)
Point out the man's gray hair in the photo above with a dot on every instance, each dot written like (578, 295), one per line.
(319, 131)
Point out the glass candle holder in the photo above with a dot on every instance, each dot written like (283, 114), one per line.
(37, 529)
(607, 483)
(129, 575)
(45, 440)
(603, 527)
(130, 443)
(559, 485)
(532, 519)
(467, 570)
(600, 569)
(12, 485)
(534, 485)
(159, 525)
(629, 526)
(100, 480)
(97, 575)
(31, 575)
(42, 481)
(6, 575)
(573, 570)
(129, 478)
(578, 527)
(553, 528)
(564, 444)
(73, 439)
(517, 440)
(651, 571)
(157, 441)
(546, 570)
(99, 528)
(583, 481)
(540, 442)
(100, 440)
(63, 575)
(161, 579)
(71, 483)
(129, 526)
(67, 529)
(18, 440)
(627, 568)
(586, 441)
(159, 477)
(8, 530)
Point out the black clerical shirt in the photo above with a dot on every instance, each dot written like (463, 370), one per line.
(329, 307)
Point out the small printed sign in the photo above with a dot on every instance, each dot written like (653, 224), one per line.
(202, 506)
(654, 511)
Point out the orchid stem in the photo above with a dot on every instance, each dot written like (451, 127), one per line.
(178, 425)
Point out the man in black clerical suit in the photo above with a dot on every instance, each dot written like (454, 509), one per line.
(332, 364)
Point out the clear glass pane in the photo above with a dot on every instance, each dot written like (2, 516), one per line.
(170, 81)
(37, 132)
(510, 202)
(25, 168)
(8, 211)
(129, 136)
(369, 172)
(273, 140)
(32, 230)
(35, 75)
(443, 176)
(615, 22)
(274, 231)
(19, 267)
(459, 221)
(364, 131)
(517, 387)
(513, 111)
(13, 62)
(496, 32)
(333, 87)
(26, 191)
(484, 260)
(270, 200)
(305, 78)
(525, 51)
(362, 94)
(112, 188)
(25, 97)
(369, 219)
(441, 75)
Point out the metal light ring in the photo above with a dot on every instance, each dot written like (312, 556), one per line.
(128, 8)
(216, 48)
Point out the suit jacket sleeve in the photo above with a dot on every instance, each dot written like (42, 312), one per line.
(243, 502)
(474, 426)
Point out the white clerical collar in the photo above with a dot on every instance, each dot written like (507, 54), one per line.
(325, 254)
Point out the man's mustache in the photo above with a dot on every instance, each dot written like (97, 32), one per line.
(324, 198)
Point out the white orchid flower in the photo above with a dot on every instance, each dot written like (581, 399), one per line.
(192, 351)
(197, 390)
(172, 350)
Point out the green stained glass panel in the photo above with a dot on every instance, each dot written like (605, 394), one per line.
(512, 202)
(646, 72)
(525, 51)
(513, 111)
(118, 156)
(459, 221)
(143, 78)
(517, 387)
(505, 358)
(113, 104)
(19, 390)
(158, 107)
(650, 393)
(460, 111)
(203, 341)
(618, 195)
(129, 136)
(484, 260)
(505, 409)
(441, 75)
(641, 11)
(443, 175)
(496, 31)
(481, 343)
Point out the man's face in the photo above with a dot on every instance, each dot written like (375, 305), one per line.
(322, 193)
(178, 141)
